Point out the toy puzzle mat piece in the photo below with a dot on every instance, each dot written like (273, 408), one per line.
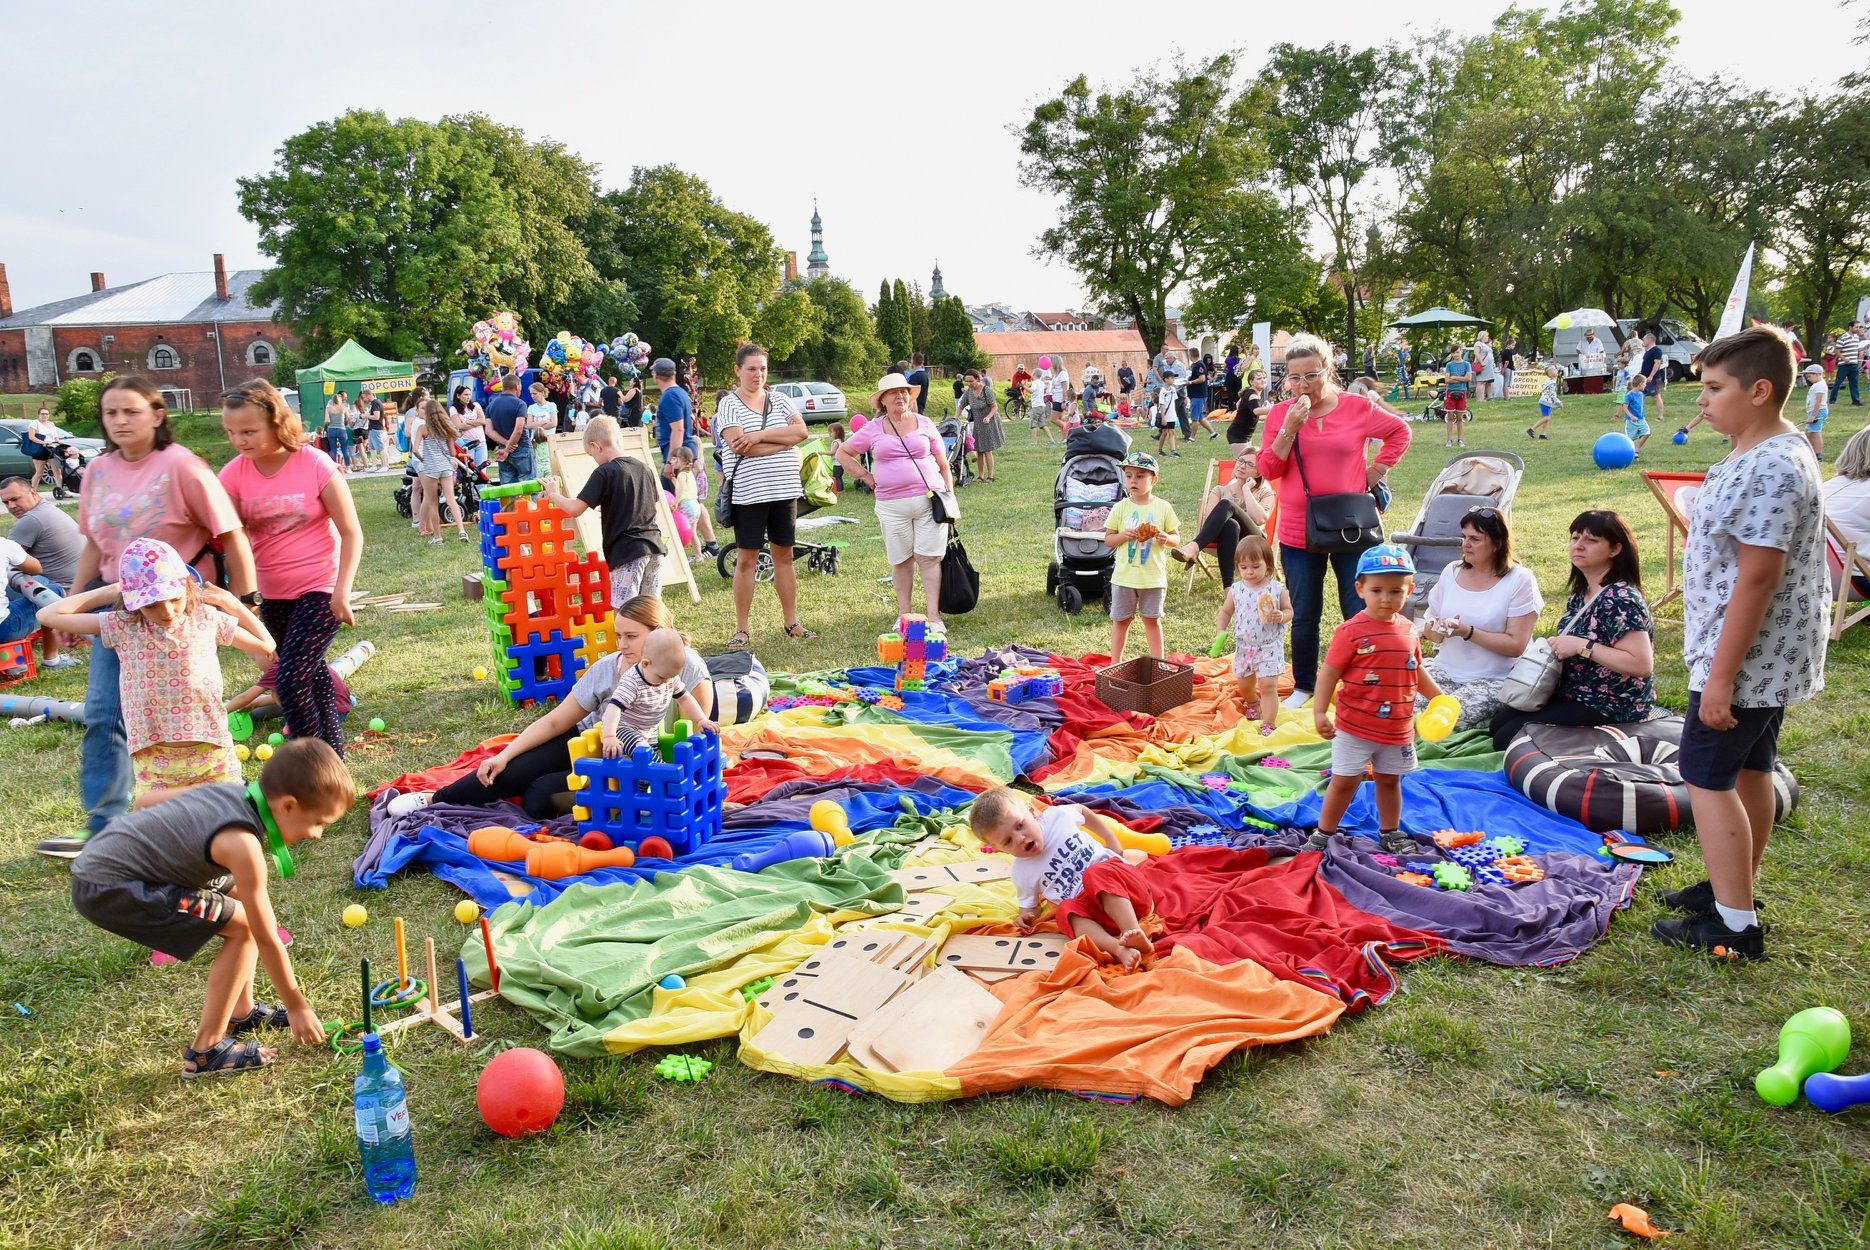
(1002, 952)
(967, 872)
(932, 1025)
(815, 1016)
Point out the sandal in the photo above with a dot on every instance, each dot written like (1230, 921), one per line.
(797, 630)
(225, 1056)
(263, 1016)
(740, 641)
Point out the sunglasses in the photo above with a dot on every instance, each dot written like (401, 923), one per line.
(1483, 510)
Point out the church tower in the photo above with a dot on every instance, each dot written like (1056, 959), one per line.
(935, 289)
(817, 264)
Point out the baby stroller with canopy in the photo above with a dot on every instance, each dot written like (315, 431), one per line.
(1475, 479)
(468, 481)
(1088, 484)
(955, 440)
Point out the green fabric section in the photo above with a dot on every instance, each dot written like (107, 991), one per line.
(588, 962)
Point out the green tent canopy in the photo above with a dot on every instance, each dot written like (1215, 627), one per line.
(352, 366)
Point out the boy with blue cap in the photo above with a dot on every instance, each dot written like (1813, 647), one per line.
(1373, 670)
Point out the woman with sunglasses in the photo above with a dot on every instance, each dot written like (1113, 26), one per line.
(1605, 636)
(1481, 612)
(1318, 445)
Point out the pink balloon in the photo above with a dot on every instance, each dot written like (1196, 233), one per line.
(684, 528)
(858, 422)
(1045, 362)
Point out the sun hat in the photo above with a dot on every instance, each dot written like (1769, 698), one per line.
(887, 383)
(150, 571)
(1385, 558)
(1816, 368)
(1142, 460)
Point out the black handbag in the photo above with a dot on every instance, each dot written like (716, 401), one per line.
(724, 498)
(1338, 523)
(960, 583)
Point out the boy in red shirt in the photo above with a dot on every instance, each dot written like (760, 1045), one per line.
(1378, 659)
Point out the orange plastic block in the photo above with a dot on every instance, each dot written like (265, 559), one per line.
(1448, 839)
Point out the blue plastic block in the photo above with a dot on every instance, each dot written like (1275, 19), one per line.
(631, 799)
(545, 669)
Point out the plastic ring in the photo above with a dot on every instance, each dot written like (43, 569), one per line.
(389, 995)
(338, 1030)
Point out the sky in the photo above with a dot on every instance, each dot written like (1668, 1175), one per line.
(900, 120)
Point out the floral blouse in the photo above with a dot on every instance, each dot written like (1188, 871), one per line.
(1620, 609)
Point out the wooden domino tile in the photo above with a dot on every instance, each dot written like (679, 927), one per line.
(972, 952)
(967, 872)
(815, 1016)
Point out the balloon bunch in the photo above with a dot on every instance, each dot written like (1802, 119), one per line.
(495, 348)
(631, 355)
(568, 362)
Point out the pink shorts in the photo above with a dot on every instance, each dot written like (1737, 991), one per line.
(1108, 876)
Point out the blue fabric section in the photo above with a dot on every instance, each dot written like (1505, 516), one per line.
(435, 838)
(1441, 798)
(931, 707)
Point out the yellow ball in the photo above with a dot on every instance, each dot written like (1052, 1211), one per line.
(263, 752)
(467, 911)
(480, 674)
(1564, 321)
(242, 754)
(355, 915)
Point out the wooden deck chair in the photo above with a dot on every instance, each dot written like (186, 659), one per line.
(1218, 472)
(1669, 490)
(1847, 563)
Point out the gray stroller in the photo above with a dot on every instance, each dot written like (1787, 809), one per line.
(1088, 483)
(1474, 479)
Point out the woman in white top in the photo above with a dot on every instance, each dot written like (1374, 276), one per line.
(1482, 612)
(760, 432)
(1847, 503)
(1486, 373)
(470, 423)
(42, 434)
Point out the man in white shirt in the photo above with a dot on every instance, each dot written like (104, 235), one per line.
(1591, 358)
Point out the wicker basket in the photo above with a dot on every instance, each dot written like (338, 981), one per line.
(1146, 685)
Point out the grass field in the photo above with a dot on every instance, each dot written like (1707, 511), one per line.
(1479, 1108)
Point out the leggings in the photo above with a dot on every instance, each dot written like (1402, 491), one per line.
(303, 629)
(536, 778)
(1508, 721)
(1223, 528)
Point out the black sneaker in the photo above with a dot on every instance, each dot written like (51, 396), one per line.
(1396, 842)
(62, 848)
(1705, 931)
(1698, 897)
(1318, 841)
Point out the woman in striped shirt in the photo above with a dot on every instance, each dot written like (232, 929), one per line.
(760, 432)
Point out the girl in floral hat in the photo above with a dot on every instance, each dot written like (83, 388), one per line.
(166, 636)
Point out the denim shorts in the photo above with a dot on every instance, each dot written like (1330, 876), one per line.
(1713, 759)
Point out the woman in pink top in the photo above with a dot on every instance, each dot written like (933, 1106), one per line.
(1331, 430)
(910, 466)
(306, 545)
(145, 486)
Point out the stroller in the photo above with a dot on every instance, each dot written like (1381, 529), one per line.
(1478, 479)
(955, 439)
(468, 481)
(818, 490)
(1088, 484)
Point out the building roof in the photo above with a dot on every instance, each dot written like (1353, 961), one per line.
(171, 299)
(1074, 342)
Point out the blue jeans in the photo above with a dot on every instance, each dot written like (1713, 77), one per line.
(1846, 372)
(21, 617)
(105, 777)
(1305, 581)
(517, 467)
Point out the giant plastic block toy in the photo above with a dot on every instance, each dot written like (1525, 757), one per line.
(910, 648)
(548, 608)
(673, 792)
(1017, 685)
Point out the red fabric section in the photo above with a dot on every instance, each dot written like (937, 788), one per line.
(439, 776)
(1378, 660)
(753, 779)
(1086, 715)
(1230, 905)
(1109, 876)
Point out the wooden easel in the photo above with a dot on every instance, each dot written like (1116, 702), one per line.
(573, 467)
(1665, 487)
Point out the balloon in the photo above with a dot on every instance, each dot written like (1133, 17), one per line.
(1564, 321)
(1045, 362)
(684, 528)
(858, 422)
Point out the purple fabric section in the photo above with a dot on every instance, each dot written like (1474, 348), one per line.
(1535, 925)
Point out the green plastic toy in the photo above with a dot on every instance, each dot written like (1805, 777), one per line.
(683, 1068)
(1817, 1039)
(753, 989)
(239, 726)
(1453, 877)
(275, 739)
(377, 725)
(1223, 645)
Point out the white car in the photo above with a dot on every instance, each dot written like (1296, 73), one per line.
(816, 401)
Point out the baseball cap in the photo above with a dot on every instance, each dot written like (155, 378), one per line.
(1816, 368)
(664, 367)
(1141, 460)
(150, 571)
(1385, 558)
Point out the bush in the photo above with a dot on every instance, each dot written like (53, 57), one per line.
(77, 401)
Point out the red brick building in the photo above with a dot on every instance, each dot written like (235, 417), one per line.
(193, 334)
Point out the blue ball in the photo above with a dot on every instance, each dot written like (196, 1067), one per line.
(1613, 451)
(673, 982)
(1679, 437)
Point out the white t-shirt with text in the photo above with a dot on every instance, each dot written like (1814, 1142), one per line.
(1057, 871)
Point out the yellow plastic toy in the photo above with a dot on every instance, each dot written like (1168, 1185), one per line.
(355, 915)
(1148, 843)
(1438, 719)
(829, 819)
(467, 911)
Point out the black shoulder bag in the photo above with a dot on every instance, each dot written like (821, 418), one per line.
(1338, 523)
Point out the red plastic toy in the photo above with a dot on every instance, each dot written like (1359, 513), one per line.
(520, 1092)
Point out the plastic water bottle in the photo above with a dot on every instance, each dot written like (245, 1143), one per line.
(383, 1138)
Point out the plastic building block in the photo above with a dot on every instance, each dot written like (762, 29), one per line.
(1447, 839)
(935, 648)
(1487, 874)
(1506, 844)
(913, 627)
(1453, 877)
(683, 1067)
(753, 989)
(545, 669)
(679, 799)
(890, 648)
(1475, 856)
(1520, 869)
(1415, 878)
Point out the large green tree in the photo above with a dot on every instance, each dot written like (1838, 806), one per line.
(918, 318)
(1825, 249)
(892, 322)
(1151, 181)
(951, 337)
(840, 341)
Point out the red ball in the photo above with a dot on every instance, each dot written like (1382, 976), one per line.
(520, 1092)
(654, 848)
(597, 840)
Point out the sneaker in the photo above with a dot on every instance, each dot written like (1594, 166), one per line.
(59, 663)
(1297, 699)
(1704, 931)
(1698, 897)
(1447, 442)
(1530, 434)
(62, 848)
(435, 541)
(1396, 842)
(1545, 438)
(1318, 841)
(403, 804)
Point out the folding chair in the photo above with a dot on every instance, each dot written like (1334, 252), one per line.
(1669, 489)
(1220, 471)
(1846, 562)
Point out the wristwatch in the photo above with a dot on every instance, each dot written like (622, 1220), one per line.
(1589, 647)
(251, 598)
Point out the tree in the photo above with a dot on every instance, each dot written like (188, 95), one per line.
(951, 338)
(1825, 249)
(1333, 111)
(892, 319)
(1150, 181)
(840, 340)
(389, 232)
(918, 319)
(899, 300)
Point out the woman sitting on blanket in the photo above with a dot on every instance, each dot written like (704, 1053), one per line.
(1481, 612)
(534, 766)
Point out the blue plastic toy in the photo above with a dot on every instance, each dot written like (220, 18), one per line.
(673, 981)
(678, 799)
(1487, 874)
(1829, 1092)
(1476, 855)
(1613, 451)
(1679, 437)
(804, 844)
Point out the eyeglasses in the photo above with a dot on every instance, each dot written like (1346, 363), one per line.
(1304, 378)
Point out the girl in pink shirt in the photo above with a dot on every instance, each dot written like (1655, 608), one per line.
(166, 637)
(1330, 430)
(306, 541)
